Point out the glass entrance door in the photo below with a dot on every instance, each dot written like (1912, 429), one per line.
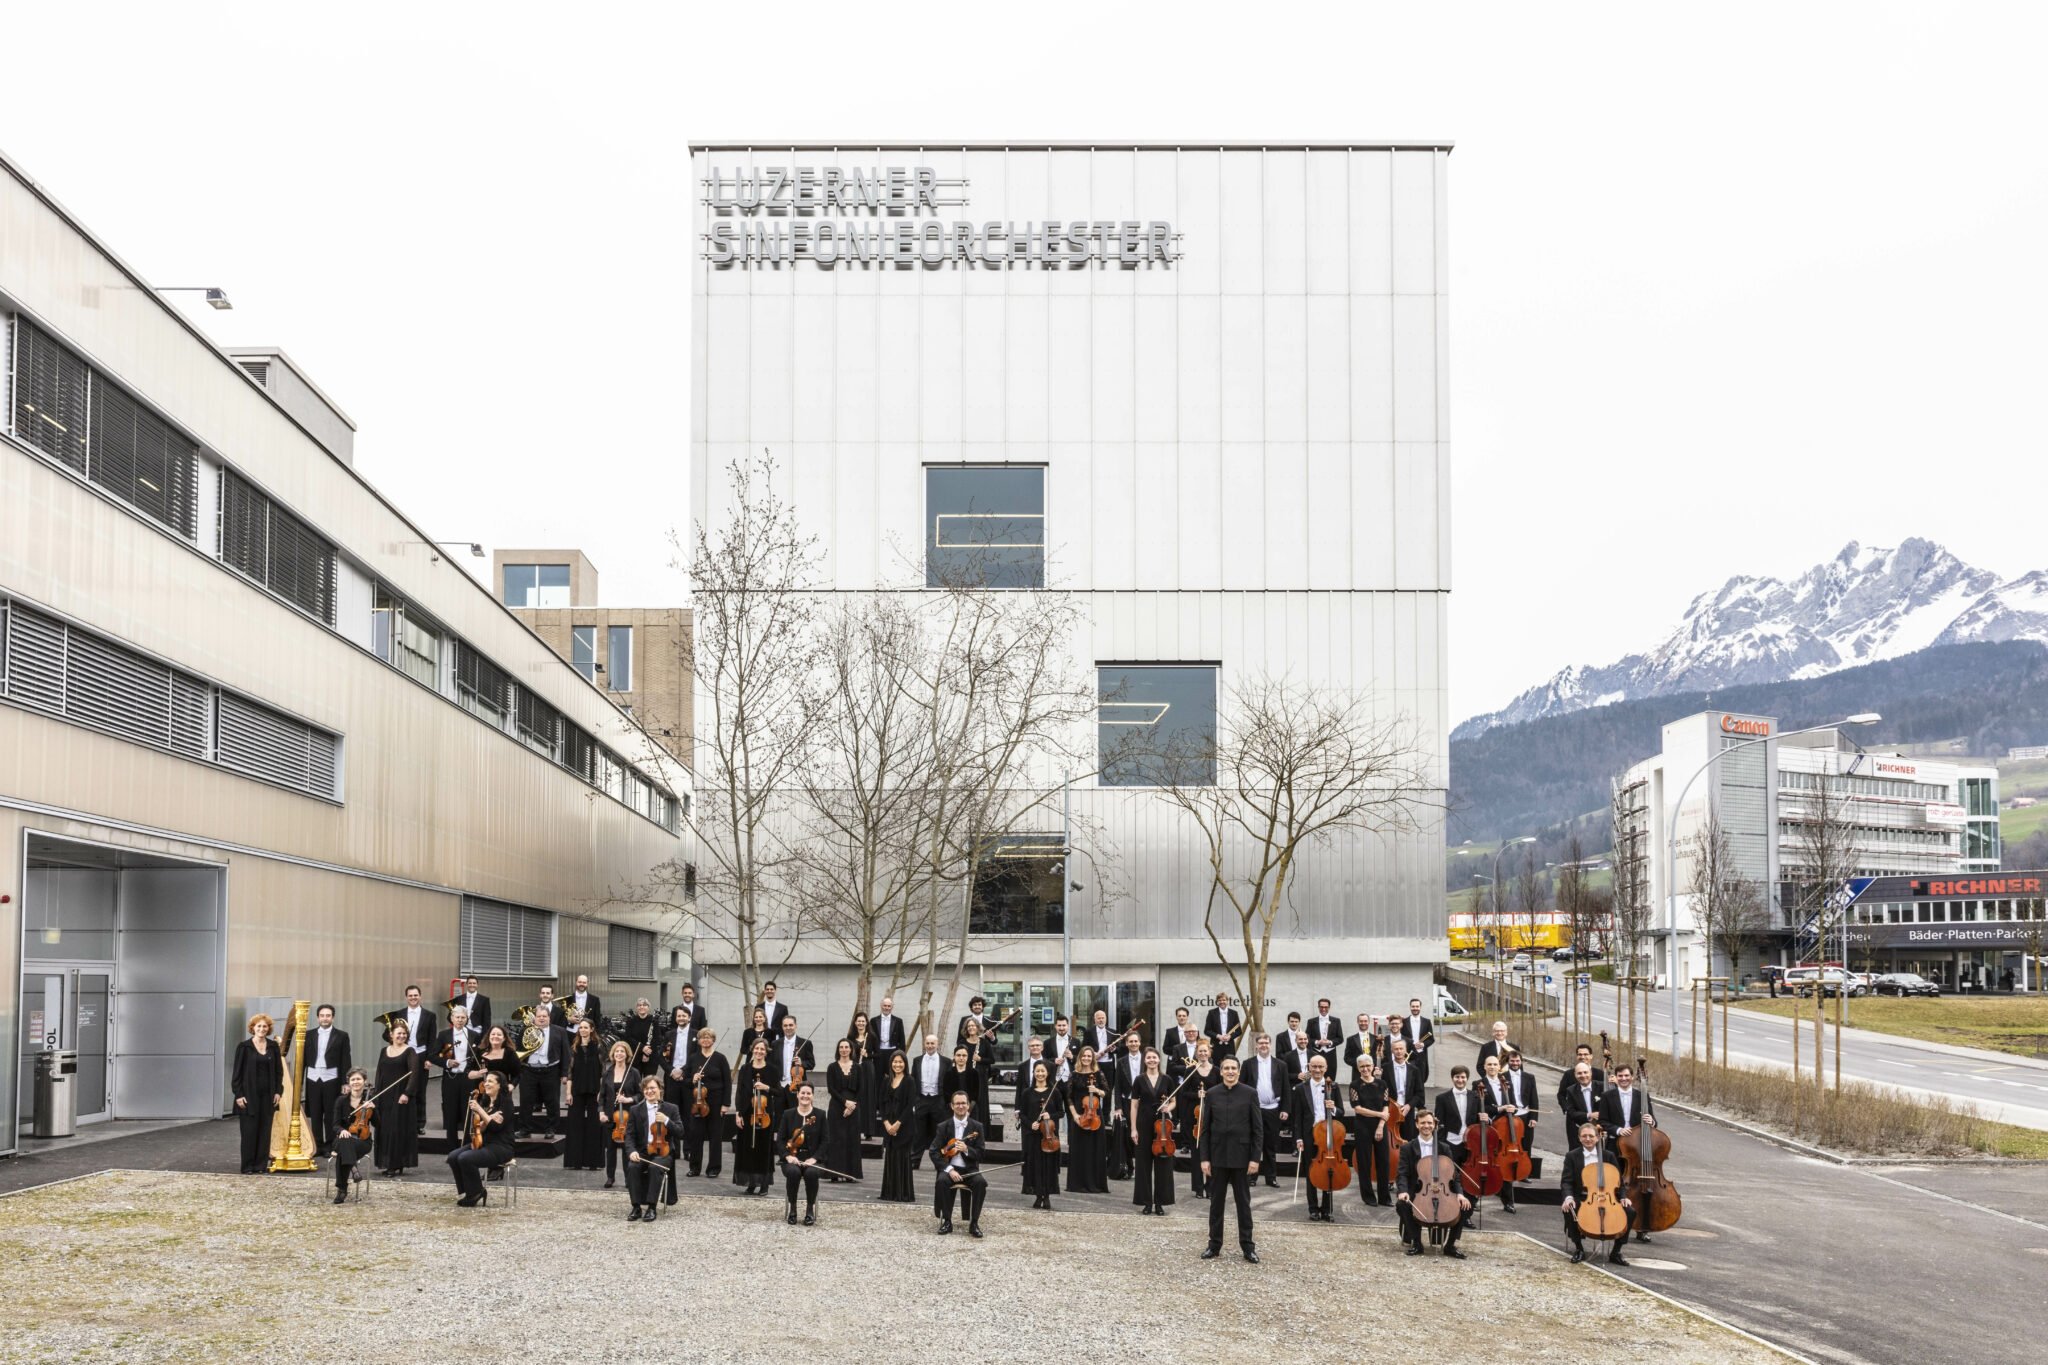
(65, 1005)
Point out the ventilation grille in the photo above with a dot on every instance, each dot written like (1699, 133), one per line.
(506, 940)
(629, 954)
(257, 740)
(258, 370)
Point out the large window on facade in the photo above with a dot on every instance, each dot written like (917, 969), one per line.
(629, 953)
(483, 688)
(984, 525)
(583, 651)
(536, 585)
(1155, 724)
(506, 940)
(263, 542)
(1017, 886)
(618, 669)
(404, 641)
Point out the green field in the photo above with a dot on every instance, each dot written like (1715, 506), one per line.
(2002, 1023)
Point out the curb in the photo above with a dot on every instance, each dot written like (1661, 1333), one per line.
(1852, 1032)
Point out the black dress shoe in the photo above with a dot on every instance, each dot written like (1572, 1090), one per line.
(974, 1228)
(1413, 1250)
(811, 1217)
(1578, 1255)
(1252, 1255)
(341, 1196)
(1615, 1257)
(790, 1217)
(1507, 1208)
(945, 1226)
(609, 1183)
(1454, 1253)
(1212, 1253)
(634, 1216)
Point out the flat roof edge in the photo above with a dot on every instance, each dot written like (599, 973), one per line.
(901, 145)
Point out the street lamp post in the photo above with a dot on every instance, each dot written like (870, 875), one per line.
(1505, 846)
(1671, 842)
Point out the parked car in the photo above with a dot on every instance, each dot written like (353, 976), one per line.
(1573, 955)
(1445, 1009)
(1521, 962)
(1828, 981)
(1905, 983)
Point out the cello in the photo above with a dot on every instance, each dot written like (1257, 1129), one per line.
(1659, 1196)
(1512, 1131)
(1481, 1171)
(1601, 1215)
(1436, 1202)
(1328, 1170)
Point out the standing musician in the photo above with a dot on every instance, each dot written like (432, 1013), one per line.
(1268, 1079)
(706, 1067)
(642, 1031)
(1573, 1182)
(349, 1149)
(1201, 1075)
(1293, 1049)
(1362, 1049)
(1088, 1149)
(886, 1035)
(1373, 1151)
(1325, 1033)
(1171, 1039)
(1098, 1036)
(396, 1080)
(477, 1003)
(1034, 1053)
(1123, 1076)
(1457, 1110)
(489, 1115)
(1419, 1034)
(1315, 1100)
(582, 1000)
(257, 1080)
(977, 1015)
(1152, 1098)
(1496, 1046)
(541, 1082)
(645, 1171)
(1038, 1104)
(1584, 1057)
(618, 1088)
(454, 1050)
(790, 1052)
(893, 1125)
(1623, 1109)
(1223, 1025)
(1059, 1049)
(771, 1012)
(690, 1015)
(756, 1031)
(956, 1152)
(1579, 1097)
(970, 1060)
(1521, 1087)
(850, 1102)
(798, 1135)
(1412, 1153)
(1402, 1082)
(327, 1061)
(419, 1026)
(678, 1041)
(927, 1094)
(1229, 1157)
(1188, 1045)
(857, 1040)
(753, 1146)
(1499, 1099)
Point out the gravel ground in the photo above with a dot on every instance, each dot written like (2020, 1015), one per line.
(174, 1267)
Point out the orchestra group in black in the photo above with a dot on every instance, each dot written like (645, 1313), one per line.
(653, 1101)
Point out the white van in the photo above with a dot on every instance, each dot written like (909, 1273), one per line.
(1443, 1009)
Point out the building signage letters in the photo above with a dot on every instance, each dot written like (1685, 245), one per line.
(1736, 725)
(889, 215)
(1978, 886)
(1907, 769)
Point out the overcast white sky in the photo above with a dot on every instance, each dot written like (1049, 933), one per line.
(1731, 284)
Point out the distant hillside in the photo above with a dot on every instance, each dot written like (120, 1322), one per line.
(1514, 779)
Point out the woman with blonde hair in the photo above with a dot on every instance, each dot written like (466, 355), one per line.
(257, 1079)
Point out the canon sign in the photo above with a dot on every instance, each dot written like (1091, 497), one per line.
(1737, 725)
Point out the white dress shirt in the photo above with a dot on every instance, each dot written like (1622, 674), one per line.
(959, 1161)
(928, 1073)
(320, 1070)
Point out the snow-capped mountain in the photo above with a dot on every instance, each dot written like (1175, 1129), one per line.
(1863, 605)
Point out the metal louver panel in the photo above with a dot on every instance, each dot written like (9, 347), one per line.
(481, 685)
(111, 688)
(629, 953)
(261, 540)
(35, 659)
(258, 370)
(258, 741)
(579, 752)
(49, 396)
(540, 725)
(536, 941)
(244, 526)
(138, 458)
(191, 717)
(505, 940)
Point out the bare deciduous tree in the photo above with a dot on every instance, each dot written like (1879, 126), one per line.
(1824, 847)
(1291, 768)
(1727, 906)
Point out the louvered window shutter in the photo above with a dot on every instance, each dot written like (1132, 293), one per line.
(35, 659)
(50, 396)
(138, 458)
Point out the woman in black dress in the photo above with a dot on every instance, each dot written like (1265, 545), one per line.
(899, 1142)
(497, 1058)
(617, 1088)
(257, 1079)
(847, 1102)
(705, 1066)
(973, 1079)
(348, 1148)
(489, 1112)
(756, 1030)
(753, 1146)
(1152, 1190)
(1041, 1168)
(584, 1149)
(1088, 1150)
(398, 1136)
(797, 1138)
(1205, 1074)
(857, 1035)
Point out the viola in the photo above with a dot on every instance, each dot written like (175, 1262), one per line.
(796, 1075)
(1091, 1110)
(476, 1126)
(1645, 1170)
(1328, 1170)
(619, 1120)
(1162, 1137)
(1600, 1214)
(794, 1148)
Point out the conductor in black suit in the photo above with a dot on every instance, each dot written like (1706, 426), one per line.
(645, 1172)
(1232, 1138)
(961, 1172)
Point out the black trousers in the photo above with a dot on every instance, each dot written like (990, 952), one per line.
(971, 1188)
(541, 1088)
(1319, 1201)
(795, 1173)
(1411, 1231)
(1239, 1182)
(255, 1122)
(700, 1133)
(320, 1112)
(456, 1089)
(1375, 1163)
(469, 1163)
(1269, 1139)
(419, 1091)
(925, 1113)
(644, 1180)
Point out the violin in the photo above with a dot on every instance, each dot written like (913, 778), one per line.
(760, 1118)
(619, 1119)
(657, 1135)
(794, 1148)
(1091, 1110)
(1600, 1214)
(1646, 1171)
(1162, 1136)
(954, 1147)
(359, 1122)
(1328, 1170)
(476, 1126)
(700, 1099)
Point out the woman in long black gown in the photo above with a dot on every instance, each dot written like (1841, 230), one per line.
(398, 1135)
(1152, 1190)
(584, 1149)
(257, 1079)
(1041, 1168)
(706, 1066)
(1088, 1151)
(616, 1090)
(497, 1058)
(755, 1031)
(892, 1118)
(847, 1102)
(349, 1149)
(753, 1147)
(1206, 1074)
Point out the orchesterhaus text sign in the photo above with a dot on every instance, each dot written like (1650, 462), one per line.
(893, 216)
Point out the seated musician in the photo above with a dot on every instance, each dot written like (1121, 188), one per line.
(800, 1159)
(646, 1171)
(1588, 1155)
(961, 1171)
(1413, 1153)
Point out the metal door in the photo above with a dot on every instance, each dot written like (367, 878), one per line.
(67, 1005)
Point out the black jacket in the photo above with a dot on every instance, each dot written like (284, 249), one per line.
(255, 1077)
(479, 1013)
(886, 1032)
(1420, 1033)
(975, 1138)
(1576, 1113)
(916, 1078)
(1567, 1082)
(1303, 1108)
(1410, 1096)
(1521, 1088)
(339, 1055)
(1283, 1082)
(1611, 1117)
(1448, 1110)
(1052, 1042)
(593, 1011)
(774, 1013)
(1224, 1038)
(444, 1049)
(637, 1125)
(1325, 1036)
(814, 1134)
(1233, 1129)
(804, 1057)
(558, 1049)
(717, 1074)
(1573, 1180)
(1411, 1153)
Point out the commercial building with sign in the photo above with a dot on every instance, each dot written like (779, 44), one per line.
(1979, 932)
(1901, 815)
(259, 736)
(1203, 388)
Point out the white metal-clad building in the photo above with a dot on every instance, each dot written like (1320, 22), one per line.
(1212, 378)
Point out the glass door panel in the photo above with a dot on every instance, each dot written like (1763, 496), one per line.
(89, 1016)
(1007, 1047)
(1137, 1000)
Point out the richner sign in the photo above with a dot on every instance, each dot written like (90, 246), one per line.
(891, 215)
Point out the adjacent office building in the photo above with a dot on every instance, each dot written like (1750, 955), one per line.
(260, 735)
(1203, 388)
(1906, 816)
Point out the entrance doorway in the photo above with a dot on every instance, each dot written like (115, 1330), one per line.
(64, 1005)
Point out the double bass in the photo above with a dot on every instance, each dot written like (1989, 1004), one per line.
(1645, 1172)
(1327, 1170)
(1482, 1172)
(1511, 1131)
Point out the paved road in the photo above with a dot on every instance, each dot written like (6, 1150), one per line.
(2011, 1092)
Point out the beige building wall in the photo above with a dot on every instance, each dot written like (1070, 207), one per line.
(662, 697)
